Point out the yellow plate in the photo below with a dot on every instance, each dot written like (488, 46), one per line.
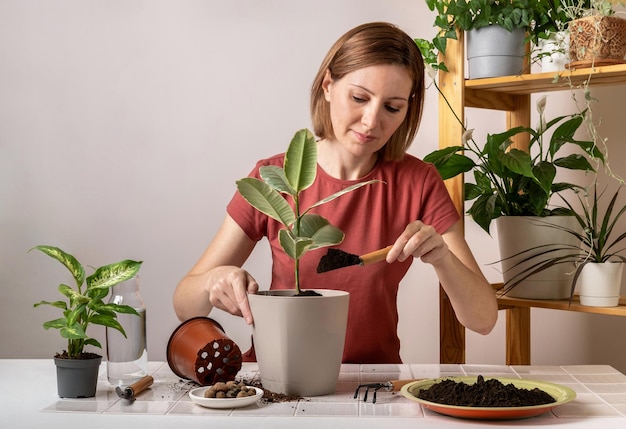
(561, 394)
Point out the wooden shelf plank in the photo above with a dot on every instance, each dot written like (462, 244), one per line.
(495, 93)
(506, 302)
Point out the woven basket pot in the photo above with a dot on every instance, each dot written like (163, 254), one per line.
(597, 40)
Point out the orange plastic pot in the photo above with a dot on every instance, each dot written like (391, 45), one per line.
(199, 350)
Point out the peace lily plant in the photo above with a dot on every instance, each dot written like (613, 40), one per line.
(83, 304)
(303, 230)
(513, 182)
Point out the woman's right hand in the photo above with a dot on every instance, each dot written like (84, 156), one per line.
(228, 287)
(217, 279)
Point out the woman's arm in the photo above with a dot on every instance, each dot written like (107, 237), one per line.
(471, 295)
(217, 279)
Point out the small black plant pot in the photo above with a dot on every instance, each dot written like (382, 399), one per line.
(77, 378)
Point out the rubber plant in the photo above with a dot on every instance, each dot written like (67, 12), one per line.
(303, 230)
(83, 304)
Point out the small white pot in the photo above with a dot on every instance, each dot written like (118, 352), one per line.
(599, 284)
(299, 340)
(555, 52)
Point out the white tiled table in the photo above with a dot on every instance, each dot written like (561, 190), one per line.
(29, 400)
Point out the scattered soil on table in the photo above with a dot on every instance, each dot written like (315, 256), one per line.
(336, 258)
(271, 397)
(483, 393)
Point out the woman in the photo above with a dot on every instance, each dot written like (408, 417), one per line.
(366, 105)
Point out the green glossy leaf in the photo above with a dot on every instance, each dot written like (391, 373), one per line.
(76, 314)
(320, 231)
(67, 260)
(574, 162)
(301, 161)
(275, 177)
(266, 200)
(112, 274)
(59, 304)
(343, 192)
(107, 321)
(518, 161)
(482, 211)
(294, 247)
(449, 163)
(73, 332)
(471, 191)
(55, 324)
(117, 308)
(93, 342)
(545, 173)
(74, 297)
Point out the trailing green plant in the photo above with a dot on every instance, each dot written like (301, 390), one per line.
(574, 9)
(514, 182)
(596, 235)
(304, 231)
(84, 303)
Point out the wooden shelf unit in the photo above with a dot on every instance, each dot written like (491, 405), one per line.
(512, 95)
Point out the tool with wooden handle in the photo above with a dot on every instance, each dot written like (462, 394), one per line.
(129, 392)
(389, 386)
(336, 258)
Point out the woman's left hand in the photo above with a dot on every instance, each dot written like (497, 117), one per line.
(420, 241)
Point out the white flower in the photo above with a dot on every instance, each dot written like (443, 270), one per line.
(467, 135)
(541, 104)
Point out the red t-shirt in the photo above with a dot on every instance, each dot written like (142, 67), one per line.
(372, 217)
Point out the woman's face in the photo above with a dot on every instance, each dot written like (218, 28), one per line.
(367, 106)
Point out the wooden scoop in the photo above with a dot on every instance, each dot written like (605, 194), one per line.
(129, 392)
(336, 258)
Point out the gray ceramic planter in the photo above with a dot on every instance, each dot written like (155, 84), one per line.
(77, 378)
(493, 51)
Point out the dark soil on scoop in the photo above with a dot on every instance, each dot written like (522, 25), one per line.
(483, 393)
(336, 258)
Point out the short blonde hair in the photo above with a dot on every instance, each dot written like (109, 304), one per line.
(367, 45)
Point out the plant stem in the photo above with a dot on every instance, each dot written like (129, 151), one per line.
(297, 234)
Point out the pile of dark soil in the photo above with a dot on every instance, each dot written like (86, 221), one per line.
(489, 393)
(271, 397)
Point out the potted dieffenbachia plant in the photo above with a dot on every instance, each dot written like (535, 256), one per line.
(298, 340)
(82, 306)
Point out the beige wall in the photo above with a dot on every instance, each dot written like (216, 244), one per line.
(124, 124)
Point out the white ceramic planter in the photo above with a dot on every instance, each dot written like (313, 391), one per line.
(493, 51)
(599, 284)
(299, 340)
(519, 233)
